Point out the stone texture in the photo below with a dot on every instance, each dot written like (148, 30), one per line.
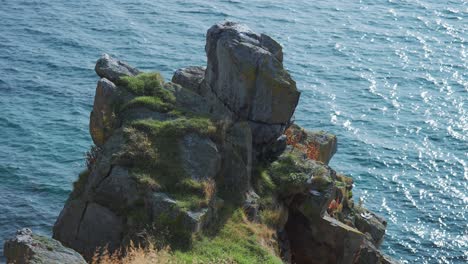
(369, 254)
(246, 74)
(112, 69)
(200, 157)
(102, 120)
(28, 248)
(99, 228)
(118, 190)
(375, 225)
(237, 166)
(324, 142)
(190, 77)
(324, 240)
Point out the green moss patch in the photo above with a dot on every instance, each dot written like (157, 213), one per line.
(150, 102)
(236, 241)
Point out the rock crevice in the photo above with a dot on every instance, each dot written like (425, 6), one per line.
(216, 147)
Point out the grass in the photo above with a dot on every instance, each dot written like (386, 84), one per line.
(138, 151)
(237, 241)
(150, 102)
(288, 175)
(177, 127)
(150, 92)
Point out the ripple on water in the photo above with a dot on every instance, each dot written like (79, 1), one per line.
(388, 77)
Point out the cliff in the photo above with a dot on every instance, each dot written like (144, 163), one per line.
(211, 165)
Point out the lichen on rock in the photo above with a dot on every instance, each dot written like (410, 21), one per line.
(211, 165)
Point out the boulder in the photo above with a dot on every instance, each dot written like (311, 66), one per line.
(323, 144)
(237, 163)
(28, 248)
(190, 77)
(163, 207)
(102, 120)
(369, 254)
(112, 69)
(200, 157)
(86, 227)
(246, 74)
(118, 190)
(373, 224)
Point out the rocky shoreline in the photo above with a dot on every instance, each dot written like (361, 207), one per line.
(181, 162)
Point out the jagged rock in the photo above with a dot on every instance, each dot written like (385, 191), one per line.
(118, 190)
(102, 120)
(237, 167)
(28, 248)
(375, 225)
(325, 144)
(369, 254)
(165, 207)
(325, 240)
(190, 77)
(295, 174)
(200, 157)
(245, 72)
(165, 141)
(86, 227)
(112, 69)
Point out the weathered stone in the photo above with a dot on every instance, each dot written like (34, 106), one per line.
(237, 163)
(324, 240)
(86, 226)
(190, 77)
(163, 206)
(324, 143)
(118, 190)
(195, 220)
(112, 69)
(28, 248)
(99, 228)
(264, 134)
(67, 224)
(246, 74)
(374, 225)
(102, 120)
(369, 254)
(200, 157)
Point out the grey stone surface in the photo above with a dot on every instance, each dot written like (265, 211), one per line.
(118, 190)
(375, 225)
(28, 248)
(190, 77)
(99, 228)
(112, 69)
(246, 74)
(102, 120)
(200, 157)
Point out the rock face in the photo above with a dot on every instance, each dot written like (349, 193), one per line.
(245, 73)
(27, 247)
(112, 69)
(175, 156)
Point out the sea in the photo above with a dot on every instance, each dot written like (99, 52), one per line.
(388, 77)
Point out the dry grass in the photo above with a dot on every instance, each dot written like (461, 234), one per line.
(209, 190)
(148, 255)
(134, 255)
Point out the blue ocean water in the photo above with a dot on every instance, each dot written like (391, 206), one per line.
(388, 77)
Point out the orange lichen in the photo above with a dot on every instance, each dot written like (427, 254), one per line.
(294, 138)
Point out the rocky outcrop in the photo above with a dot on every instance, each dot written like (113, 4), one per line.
(176, 161)
(28, 248)
(245, 73)
(112, 69)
